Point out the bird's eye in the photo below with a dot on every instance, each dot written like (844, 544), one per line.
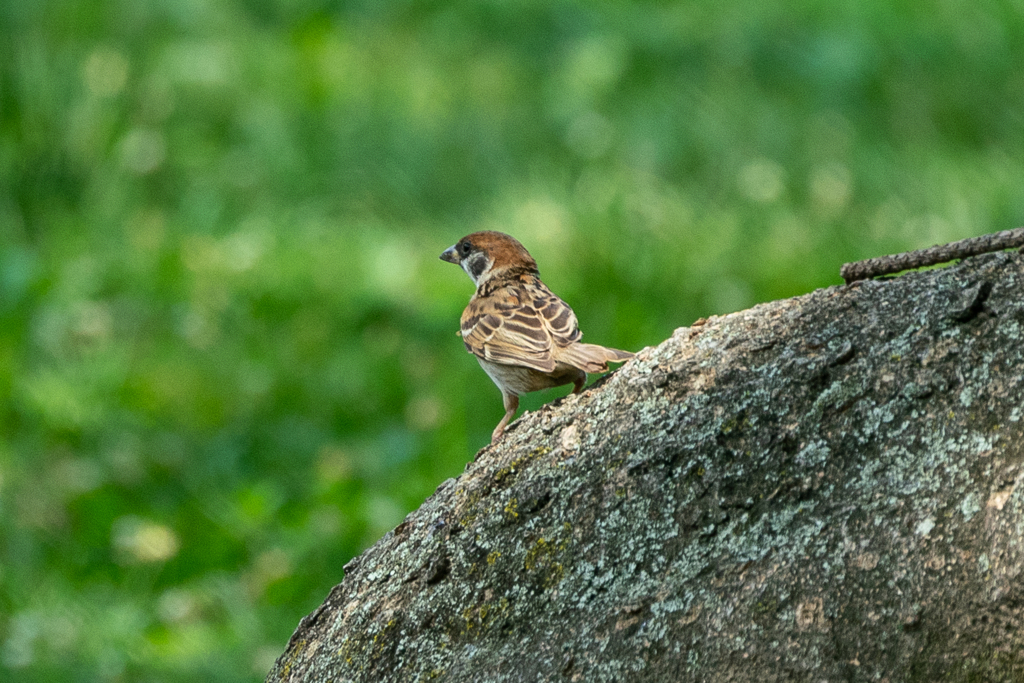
(464, 248)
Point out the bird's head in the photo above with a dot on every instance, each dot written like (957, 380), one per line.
(486, 254)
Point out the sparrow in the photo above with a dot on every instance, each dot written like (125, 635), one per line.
(524, 337)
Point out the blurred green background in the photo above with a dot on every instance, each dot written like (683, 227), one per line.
(228, 358)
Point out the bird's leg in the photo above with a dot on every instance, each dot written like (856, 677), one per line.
(578, 383)
(511, 406)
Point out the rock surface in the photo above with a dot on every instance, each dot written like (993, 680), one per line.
(826, 488)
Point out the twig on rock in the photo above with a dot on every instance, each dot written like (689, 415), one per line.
(894, 263)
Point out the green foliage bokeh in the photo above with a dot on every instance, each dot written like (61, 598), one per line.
(228, 358)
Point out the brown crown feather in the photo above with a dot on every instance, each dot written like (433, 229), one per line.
(505, 250)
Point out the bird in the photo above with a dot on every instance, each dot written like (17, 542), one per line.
(524, 336)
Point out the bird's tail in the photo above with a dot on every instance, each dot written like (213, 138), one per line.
(591, 357)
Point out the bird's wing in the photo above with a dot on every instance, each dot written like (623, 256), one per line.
(519, 324)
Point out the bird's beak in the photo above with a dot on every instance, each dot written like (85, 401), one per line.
(450, 256)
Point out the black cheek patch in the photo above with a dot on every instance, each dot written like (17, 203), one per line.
(478, 265)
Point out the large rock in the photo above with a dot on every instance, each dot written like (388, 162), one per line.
(826, 488)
